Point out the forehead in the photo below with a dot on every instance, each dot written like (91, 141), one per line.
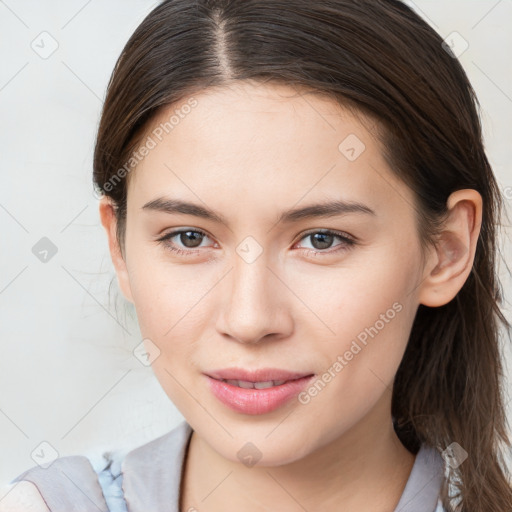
(263, 142)
(245, 110)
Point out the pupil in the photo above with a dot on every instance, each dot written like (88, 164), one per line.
(192, 236)
(323, 243)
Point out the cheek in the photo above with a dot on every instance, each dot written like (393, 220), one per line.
(366, 314)
(171, 314)
(172, 303)
(373, 282)
(165, 293)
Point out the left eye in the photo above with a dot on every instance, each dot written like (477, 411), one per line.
(192, 238)
(324, 240)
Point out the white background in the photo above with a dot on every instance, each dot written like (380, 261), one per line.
(67, 372)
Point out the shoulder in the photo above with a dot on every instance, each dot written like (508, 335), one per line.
(98, 482)
(67, 481)
(21, 497)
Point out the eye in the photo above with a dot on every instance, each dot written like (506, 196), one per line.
(324, 239)
(190, 238)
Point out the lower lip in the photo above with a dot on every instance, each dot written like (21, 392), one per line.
(257, 401)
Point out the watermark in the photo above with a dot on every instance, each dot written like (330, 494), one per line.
(355, 348)
(151, 142)
(45, 45)
(249, 454)
(507, 192)
(249, 249)
(44, 250)
(146, 352)
(454, 455)
(44, 455)
(454, 44)
(352, 147)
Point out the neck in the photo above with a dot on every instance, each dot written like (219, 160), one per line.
(365, 469)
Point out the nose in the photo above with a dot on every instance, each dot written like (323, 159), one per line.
(255, 303)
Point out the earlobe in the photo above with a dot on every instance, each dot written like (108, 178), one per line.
(109, 222)
(454, 253)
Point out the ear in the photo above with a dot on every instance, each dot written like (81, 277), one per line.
(109, 222)
(451, 260)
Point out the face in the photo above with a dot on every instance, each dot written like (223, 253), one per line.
(329, 293)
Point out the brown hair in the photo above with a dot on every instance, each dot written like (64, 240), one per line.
(383, 58)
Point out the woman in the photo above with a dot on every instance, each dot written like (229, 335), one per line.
(358, 372)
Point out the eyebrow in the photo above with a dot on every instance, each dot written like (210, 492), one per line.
(326, 209)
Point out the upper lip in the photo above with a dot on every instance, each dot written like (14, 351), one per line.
(260, 375)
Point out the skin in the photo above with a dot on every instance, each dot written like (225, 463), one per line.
(250, 152)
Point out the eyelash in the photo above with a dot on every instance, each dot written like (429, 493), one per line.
(348, 242)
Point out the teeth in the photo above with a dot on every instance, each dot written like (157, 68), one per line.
(255, 385)
(263, 385)
(242, 384)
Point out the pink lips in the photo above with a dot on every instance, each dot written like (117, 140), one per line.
(256, 401)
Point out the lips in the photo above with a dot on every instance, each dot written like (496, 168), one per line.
(256, 392)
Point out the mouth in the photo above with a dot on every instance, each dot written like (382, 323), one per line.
(253, 395)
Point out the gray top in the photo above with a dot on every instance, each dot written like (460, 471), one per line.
(148, 478)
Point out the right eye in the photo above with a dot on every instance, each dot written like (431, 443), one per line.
(188, 237)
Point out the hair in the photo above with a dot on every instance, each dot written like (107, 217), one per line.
(381, 59)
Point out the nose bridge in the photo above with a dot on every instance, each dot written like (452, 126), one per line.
(254, 308)
(250, 284)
